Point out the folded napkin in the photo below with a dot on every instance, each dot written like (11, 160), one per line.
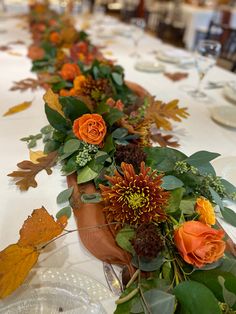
(176, 76)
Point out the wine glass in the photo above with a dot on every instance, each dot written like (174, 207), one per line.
(137, 28)
(206, 54)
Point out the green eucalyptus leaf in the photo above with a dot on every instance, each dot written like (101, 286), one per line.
(66, 211)
(64, 196)
(73, 108)
(109, 144)
(86, 174)
(187, 206)
(229, 215)
(71, 146)
(229, 265)
(216, 198)
(148, 265)
(163, 158)
(70, 166)
(229, 187)
(196, 298)
(46, 129)
(117, 78)
(125, 307)
(55, 119)
(200, 158)
(229, 297)
(171, 183)
(119, 133)
(51, 146)
(32, 143)
(158, 301)
(123, 238)
(91, 198)
(175, 200)
(113, 116)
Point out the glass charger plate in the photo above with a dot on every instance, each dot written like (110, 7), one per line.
(175, 56)
(53, 290)
(149, 66)
(224, 115)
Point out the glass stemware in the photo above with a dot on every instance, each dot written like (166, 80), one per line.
(206, 54)
(137, 28)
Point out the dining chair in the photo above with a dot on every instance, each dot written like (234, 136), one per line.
(227, 37)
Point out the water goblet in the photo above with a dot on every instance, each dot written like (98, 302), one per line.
(137, 29)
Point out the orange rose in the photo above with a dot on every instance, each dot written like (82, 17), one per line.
(64, 92)
(90, 128)
(69, 71)
(54, 38)
(199, 244)
(35, 52)
(206, 211)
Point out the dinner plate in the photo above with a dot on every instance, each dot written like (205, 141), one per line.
(226, 168)
(224, 115)
(149, 66)
(229, 91)
(175, 56)
(54, 290)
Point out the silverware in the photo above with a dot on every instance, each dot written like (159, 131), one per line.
(113, 281)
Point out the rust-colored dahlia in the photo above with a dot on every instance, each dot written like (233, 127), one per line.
(135, 198)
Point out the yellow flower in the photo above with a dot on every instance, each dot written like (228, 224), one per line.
(78, 81)
(206, 211)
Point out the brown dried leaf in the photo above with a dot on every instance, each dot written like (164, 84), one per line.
(52, 101)
(164, 140)
(4, 48)
(25, 84)
(161, 113)
(176, 76)
(15, 264)
(18, 108)
(30, 170)
(40, 228)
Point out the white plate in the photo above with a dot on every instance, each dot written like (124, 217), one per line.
(224, 115)
(229, 91)
(53, 290)
(175, 56)
(149, 66)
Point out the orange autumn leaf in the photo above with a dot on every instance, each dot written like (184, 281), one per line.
(15, 264)
(40, 228)
(22, 106)
(52, 101)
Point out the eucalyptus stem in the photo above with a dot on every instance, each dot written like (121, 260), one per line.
(141, 292)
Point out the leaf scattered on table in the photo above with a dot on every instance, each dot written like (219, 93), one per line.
(52, 101)
(4, 48)
(25, 84)
(40, 228)
(26, 177)
(161, 113)
(14, 53)
(18, 108)
(15, 264)
(35, 155)
(176, 76)
(164, 140)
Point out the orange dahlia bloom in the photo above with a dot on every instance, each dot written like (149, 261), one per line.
(78, 81)
(55, 38)
(69, 71)
(135, 198)
(90, 128)
(206, 211)
(199, 244)
(35, 52)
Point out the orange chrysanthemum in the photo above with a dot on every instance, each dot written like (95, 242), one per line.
(135, 198)
(206, 211)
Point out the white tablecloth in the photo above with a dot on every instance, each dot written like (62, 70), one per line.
(198, 132)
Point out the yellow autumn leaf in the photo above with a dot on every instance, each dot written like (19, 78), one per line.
(14, 53)
(15, 264)
(34, 156)
(53, 102)
(22, 106)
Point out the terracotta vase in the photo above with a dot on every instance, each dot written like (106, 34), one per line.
(96, 236)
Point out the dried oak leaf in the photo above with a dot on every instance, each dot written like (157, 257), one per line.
(164, 140)
(52, 101)
(25, 84)
(176, 76)
(161, 113)
(40, 228)
(18, 108)
(30, 170)
(35, 155)
(15, 263)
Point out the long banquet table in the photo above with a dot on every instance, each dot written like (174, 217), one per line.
(198, 132)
